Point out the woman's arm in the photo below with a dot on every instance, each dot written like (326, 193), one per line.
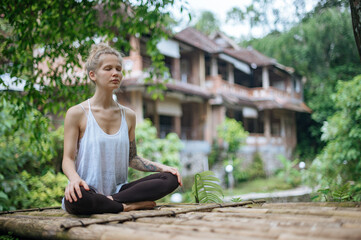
(71, 135)
(143, 164)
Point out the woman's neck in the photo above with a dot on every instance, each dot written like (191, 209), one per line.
(102, 99)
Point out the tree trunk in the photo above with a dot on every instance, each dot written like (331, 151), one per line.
(355, 6)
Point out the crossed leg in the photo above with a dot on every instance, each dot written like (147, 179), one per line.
(139, 194)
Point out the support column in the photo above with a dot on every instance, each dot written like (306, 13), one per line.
(267, 124)
(156, 117)
(137, 105)
(214, 66)
(265, 78)
(176, 69)
(135, 46)
(230, 69)
(135, 66)
(202, 70)
(195, 122)
(177, 125)
(208, 124)
(218, 116)
(283, 127)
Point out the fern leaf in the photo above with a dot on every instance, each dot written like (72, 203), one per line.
(206, 188)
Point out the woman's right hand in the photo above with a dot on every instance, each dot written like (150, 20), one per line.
(74, 186)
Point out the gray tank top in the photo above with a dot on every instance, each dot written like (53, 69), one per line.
(103, 159)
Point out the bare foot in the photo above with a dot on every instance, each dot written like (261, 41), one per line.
(138, 205)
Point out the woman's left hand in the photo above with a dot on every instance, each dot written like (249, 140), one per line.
(173, 171)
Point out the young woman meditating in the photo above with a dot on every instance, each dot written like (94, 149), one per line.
(99, 145)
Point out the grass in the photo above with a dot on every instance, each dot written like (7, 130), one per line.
(262, 185)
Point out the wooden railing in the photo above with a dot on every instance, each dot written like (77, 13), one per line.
(217, 85)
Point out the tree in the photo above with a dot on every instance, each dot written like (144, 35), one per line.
(267, 15)
(321, 48)
(36, 35)
(43, 43)
(339, 162)
(207, 23)
(355, 6)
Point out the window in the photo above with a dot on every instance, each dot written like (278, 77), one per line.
(165, 125)
(251, 125)
(275, 125)
(222, 69)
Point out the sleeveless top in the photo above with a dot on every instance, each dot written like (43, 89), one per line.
(103, 159)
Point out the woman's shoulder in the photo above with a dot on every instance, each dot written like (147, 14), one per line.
(129, 113)
(76, 111)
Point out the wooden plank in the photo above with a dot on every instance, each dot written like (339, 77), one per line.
(195, 221)
(316, 212)
(202, 231)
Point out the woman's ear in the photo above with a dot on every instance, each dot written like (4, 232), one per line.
(92, 76)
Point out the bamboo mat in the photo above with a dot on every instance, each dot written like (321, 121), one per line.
(244, 220)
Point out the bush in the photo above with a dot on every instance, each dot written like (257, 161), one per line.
(256, 169)
(21, 149)
(43, 191)
(339, 162)
(165, 151)
(233, 136)
(289, 173)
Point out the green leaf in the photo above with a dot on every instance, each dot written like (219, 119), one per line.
(206, 188)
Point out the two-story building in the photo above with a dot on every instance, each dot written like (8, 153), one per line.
(213, 78)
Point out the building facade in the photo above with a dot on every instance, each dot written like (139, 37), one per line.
(213, 78)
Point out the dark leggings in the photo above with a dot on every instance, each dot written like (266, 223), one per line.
(150, 188)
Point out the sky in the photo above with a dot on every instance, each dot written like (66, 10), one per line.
(220, 9)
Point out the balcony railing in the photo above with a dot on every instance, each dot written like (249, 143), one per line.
(217, 85)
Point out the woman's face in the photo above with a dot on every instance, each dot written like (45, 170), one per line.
(109, 73)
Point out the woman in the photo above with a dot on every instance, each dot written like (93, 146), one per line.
(99, 145)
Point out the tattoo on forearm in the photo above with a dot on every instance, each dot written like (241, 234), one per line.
(140, 163)
(132, 150)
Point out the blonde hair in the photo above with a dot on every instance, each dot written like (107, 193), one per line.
(96, 51)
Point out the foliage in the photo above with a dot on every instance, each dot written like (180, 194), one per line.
(165, 151)
(339, 193)
(207, 23)
(236, 199)
(339, 161)
(44, 43)
(256, 169)
(267, 15)
(288, 172)
(9, 236)
(231, 136)
(18, 153)
(206, 188)
(215, 154)
(42, 191)
(321, 48)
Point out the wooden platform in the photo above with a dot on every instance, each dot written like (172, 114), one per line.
(244, 220)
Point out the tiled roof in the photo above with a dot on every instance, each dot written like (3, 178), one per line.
(197, 39)
(250, 56)
(229, 221)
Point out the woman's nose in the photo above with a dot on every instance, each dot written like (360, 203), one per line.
(115, 72)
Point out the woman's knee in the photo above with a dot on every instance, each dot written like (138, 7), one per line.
(172, 181)
(75, 207)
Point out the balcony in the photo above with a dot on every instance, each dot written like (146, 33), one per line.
(218, 85)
